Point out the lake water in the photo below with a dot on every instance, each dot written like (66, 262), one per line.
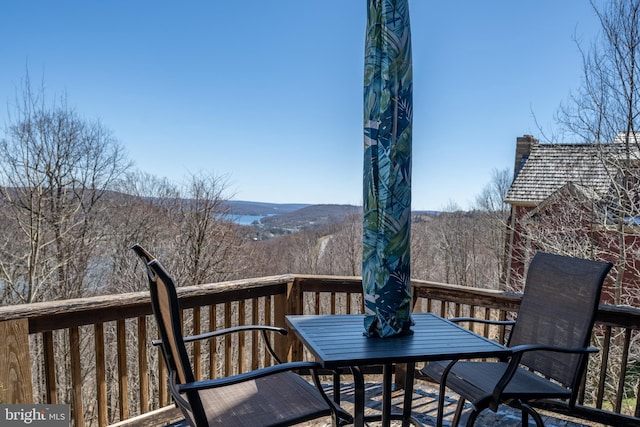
(247, 219)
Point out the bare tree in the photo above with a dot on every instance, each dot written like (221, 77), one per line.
(189, 228)
(55, 168)
(340, 251)
(494, 221)
(607, 101)
(207, 242)
(458, 246)
(606, 110)
(140, 212)
(426, 259)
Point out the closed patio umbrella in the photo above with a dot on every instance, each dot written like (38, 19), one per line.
(388, 106)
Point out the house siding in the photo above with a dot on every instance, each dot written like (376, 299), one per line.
(557, 188)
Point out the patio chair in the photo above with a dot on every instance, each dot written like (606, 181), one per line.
(271, 396)
(550, 343)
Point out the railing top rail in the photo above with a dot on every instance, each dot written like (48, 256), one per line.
(52, 315)
(619, 316)
(47, 316)
(467, 295)
(320, 283)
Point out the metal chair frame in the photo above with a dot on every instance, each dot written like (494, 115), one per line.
(549, 341)
(292, 399)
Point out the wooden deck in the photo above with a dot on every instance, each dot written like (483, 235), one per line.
(125, 384)
(425, 409)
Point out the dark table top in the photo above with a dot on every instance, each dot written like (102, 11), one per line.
(338, 341)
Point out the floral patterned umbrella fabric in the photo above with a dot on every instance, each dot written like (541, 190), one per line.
(388, 105)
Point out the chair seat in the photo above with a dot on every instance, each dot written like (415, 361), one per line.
(475, 382)
(279, 399)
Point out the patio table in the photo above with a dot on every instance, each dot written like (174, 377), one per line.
(338, 341)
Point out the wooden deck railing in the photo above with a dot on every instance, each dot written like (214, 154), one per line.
(95, 353)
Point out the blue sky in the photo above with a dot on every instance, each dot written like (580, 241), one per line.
(269, 93)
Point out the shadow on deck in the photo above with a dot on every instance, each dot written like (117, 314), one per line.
(425, 408)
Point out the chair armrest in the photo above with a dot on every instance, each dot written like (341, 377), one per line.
(516, 355)
(235, 329)
(487, 321)
(519, 349)
(247, 376)
(220, 332)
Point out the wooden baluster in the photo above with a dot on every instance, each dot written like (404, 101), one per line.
(637, 410)
(472, 313)
(50, 367)
(123, 386)
(76, 376)
(317, 300)
(603, 366)
(487, 316)
(242, 345)
(227, 340)
(197, 346)
(268, 320)
(333, 303)
(583, 383)
(101, 382)
(255, 319)
(163, 384)
(502, 331)
(143, 366)
(213, 355)
(623, 369)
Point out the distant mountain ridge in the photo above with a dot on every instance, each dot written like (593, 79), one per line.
(312, 216)
(297, 216)
(292, 216)
(241, 207)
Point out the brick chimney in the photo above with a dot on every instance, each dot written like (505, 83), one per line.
(523, 149)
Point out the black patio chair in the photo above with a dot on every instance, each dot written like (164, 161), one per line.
(549, 338)
(271, 396)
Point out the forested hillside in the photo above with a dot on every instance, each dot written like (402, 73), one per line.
(464, 248)
(193, 238)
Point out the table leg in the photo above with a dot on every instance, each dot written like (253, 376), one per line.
(441, 393)
(336, 388)
(408, 393)
(387, 370)
(443, 389)
(358, 398)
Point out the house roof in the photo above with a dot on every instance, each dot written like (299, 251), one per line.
(567, 191)
(550, 167)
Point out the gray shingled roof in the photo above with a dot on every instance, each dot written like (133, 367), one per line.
(551, 166)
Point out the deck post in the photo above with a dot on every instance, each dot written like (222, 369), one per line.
(15, 362)
(288, 347)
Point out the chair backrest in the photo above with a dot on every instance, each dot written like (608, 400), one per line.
(166, 309)
(558, 308)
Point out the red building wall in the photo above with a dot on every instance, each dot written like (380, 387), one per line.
(623, 282)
